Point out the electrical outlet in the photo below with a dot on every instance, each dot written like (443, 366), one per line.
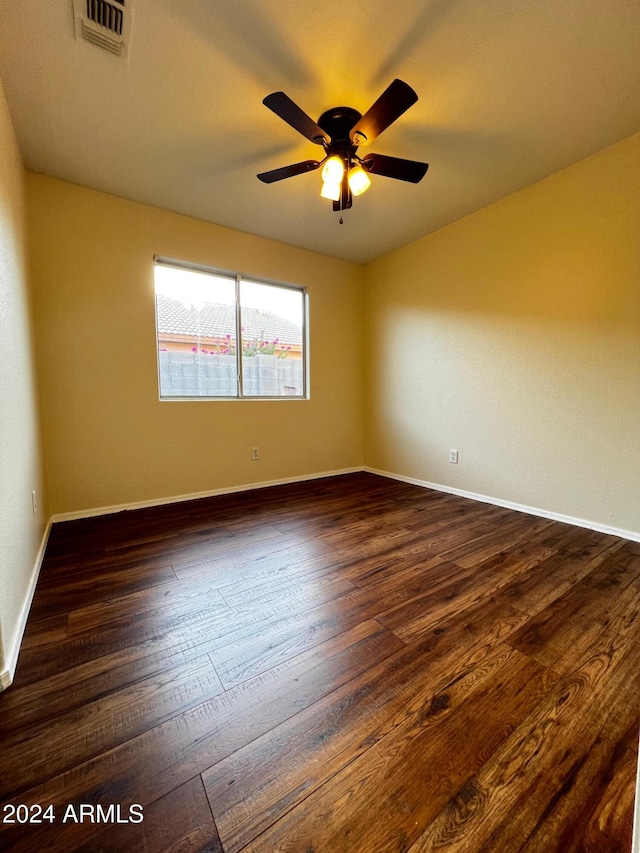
(34, 501)
(453, 456)
(255, 454)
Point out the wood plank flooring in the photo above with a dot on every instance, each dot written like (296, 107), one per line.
(349, 665)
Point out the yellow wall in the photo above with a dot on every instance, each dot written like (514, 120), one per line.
(513, 336)
(21, 469)
(108, 439)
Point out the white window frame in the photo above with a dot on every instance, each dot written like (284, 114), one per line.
(159, 260)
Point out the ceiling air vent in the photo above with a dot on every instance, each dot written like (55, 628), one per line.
(105, 23)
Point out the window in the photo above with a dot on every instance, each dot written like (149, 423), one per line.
(224, 336)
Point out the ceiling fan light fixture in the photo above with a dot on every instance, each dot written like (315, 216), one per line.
(359, 181)
(331, 190)
(340, 130)
(333, 170)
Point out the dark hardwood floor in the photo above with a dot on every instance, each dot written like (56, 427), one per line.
(350, 665)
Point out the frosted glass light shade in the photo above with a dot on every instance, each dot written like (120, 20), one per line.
(333, 170)
(331, 189)
(359, 181)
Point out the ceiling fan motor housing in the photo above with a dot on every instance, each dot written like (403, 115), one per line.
(338, 121)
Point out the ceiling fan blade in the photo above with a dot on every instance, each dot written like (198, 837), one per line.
(395, 100)
(288, 171)
(395, 167)
(284, 107)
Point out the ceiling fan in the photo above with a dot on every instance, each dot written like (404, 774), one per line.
(341, 131)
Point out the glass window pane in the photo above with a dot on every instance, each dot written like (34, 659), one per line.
(196, 327)
(272, 324)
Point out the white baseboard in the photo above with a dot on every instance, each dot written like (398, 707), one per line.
(11, 654)
(632, 535)
(210, 493)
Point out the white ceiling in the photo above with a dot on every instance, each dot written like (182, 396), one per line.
(509, 92)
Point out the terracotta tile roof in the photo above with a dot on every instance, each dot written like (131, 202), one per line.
(215, 321)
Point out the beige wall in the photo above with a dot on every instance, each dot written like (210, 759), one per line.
(513, 336)
(21, 532)
(108, 439)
